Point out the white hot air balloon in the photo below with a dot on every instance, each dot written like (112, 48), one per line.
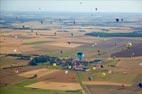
(109, 71)
(14, 50)
(129, 45)
(93, 45)
(69, 67)
(16, 37)
(66, 72)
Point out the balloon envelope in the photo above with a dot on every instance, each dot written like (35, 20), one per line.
(104, 74)
(80, 55)
(54, 64)
(66, 72)
(15, 50)
(94, 68)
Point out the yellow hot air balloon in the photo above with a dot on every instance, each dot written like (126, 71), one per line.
(103, 74)
(54, 64)
(94, 68)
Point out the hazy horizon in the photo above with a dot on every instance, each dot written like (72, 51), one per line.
(129, 6)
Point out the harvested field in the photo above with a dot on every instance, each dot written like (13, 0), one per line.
(105, 83)
(64, 44)
(136, 50)
(39, 72)
(55, 86)
(7, 61)
(111, 90)
(36, 42)
(133, 63)
(9, 76)
(60, 76)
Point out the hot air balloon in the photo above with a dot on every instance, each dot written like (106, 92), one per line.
(117, 20)
(39, 8)
(61, 52)
(54, 64)
(16, 37)
(36, 33)
(80, 55)
(121, 19)
(90, 78)
(41, 22)
(14, 50)
(103, 74)
(99, 52)
(96, 9)
(69, 67)
(72, 34)
(94, 68)
(16, 17)
(133, 54)
(93, 45)
(55, 34)
(74, 22)
(17, 71)
(23, 26)
(129, 45)
(101, 66)
(69, 42)
(109, 71)
(66, 72)
(140, 84)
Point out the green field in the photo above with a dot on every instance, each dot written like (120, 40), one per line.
(20, 89)
(114, 77)
(35, 42)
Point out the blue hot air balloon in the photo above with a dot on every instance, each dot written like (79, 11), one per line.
(140, 84)
(80, 55)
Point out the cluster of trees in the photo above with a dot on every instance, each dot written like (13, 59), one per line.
(43, 59)
(20, 56)
(104, 34)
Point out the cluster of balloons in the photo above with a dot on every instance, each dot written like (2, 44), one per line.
(117, 20)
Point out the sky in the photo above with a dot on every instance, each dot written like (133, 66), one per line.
(72, 5)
